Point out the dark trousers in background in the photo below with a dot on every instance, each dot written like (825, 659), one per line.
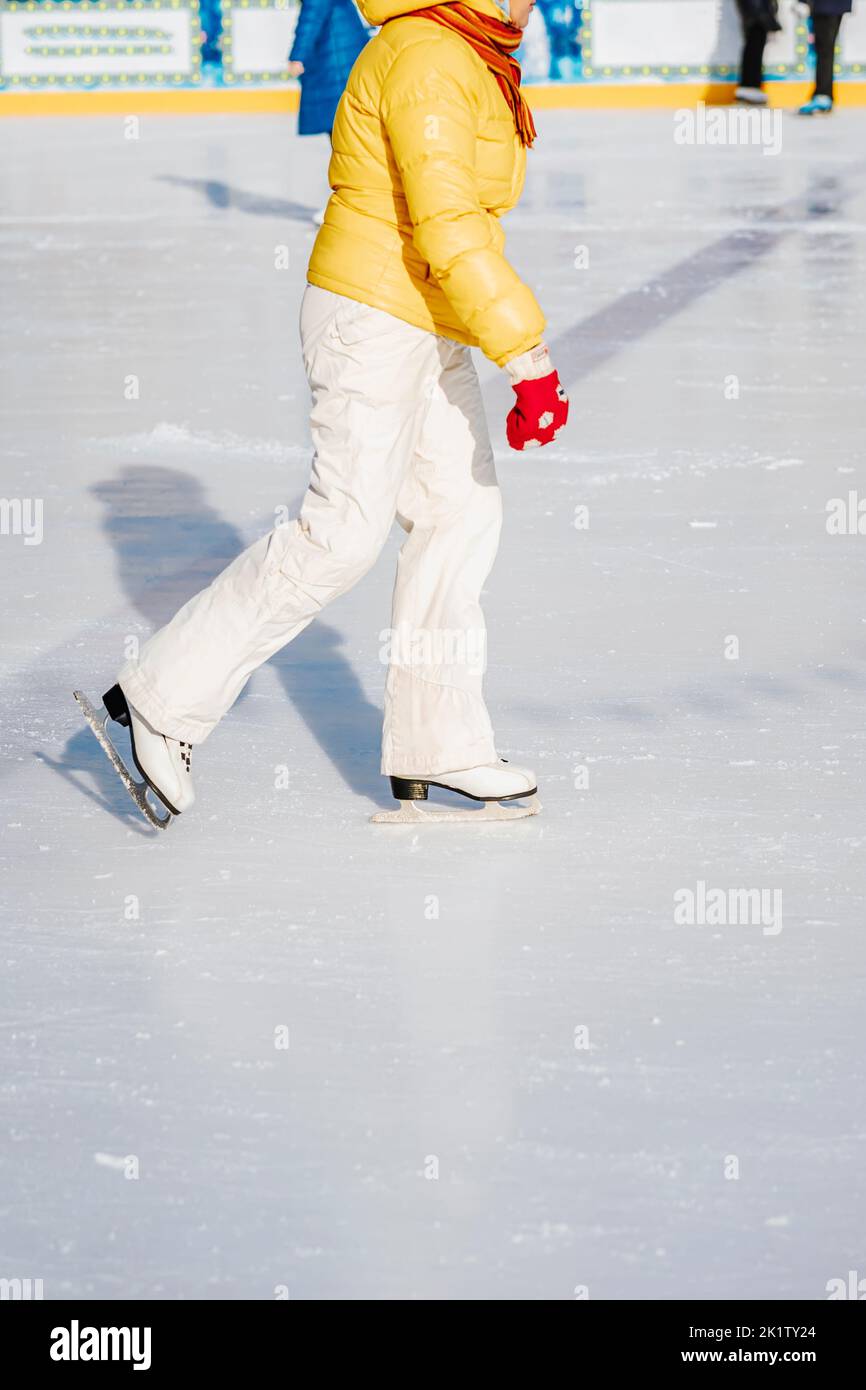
(752, 65)
(825, 30)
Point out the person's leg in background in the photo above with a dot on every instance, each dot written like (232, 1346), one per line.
(435, 717)
(752, 63)
(826, 31)
(370, 376)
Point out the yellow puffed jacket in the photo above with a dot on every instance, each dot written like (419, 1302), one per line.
(426, 159)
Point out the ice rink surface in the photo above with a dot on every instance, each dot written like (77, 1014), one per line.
(510, 1073)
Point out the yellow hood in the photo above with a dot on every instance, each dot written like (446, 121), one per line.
(377, 11)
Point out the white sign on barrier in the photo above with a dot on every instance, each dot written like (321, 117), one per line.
(95, 43)
(677, 38)
(257, 37)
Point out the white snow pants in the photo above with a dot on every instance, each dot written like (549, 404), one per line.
(398, 430)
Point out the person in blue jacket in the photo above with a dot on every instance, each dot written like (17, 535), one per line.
(328, 39)
(826, 21)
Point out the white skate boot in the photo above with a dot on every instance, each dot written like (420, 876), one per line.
(163, 762)
(491, 783)
(750, 96)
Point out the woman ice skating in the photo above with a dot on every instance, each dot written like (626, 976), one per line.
(328, 39)
(407, 272)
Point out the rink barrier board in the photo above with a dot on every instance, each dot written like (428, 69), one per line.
(99, 44)
(70, 57)
(628, 54)
(205, 101)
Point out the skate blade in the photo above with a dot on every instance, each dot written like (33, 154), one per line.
(412, 813)
(98, 719)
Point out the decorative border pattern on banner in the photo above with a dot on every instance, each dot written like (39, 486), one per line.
(51, 28)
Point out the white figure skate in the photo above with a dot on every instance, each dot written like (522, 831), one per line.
(490, 784)
(164, 763)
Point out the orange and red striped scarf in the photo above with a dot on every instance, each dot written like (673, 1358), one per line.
(494, 40)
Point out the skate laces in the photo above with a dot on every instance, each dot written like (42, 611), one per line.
(186, 754)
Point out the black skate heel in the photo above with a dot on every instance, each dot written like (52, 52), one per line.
(116, 707)
(406, 788)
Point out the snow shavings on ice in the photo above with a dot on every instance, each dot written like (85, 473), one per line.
(166, 437)
(109, 1161)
